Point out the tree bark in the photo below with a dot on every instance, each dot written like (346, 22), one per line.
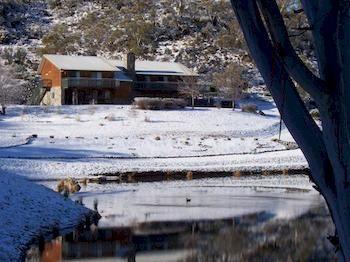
(3, 109)
(327, 151)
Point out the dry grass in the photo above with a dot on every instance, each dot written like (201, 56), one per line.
(189, 175)
(237, 173)
(68, 186)
(265, 173)
(249, 108)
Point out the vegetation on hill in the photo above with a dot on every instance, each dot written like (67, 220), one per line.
(202, 34)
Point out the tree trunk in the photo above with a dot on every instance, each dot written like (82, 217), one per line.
(328, 150)
(3, 109)
(192, 102)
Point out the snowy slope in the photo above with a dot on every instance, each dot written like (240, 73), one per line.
(27, 210)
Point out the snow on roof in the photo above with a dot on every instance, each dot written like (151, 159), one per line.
(95, 63)
(157, 68)
(83, 63)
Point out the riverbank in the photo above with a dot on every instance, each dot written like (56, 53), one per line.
(30, 212)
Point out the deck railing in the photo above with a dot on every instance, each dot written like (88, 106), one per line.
(157, 86)
(90, 83)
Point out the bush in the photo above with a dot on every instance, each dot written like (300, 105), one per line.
(249, 108)
(148, 103)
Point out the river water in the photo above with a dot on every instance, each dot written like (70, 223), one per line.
(221, 219)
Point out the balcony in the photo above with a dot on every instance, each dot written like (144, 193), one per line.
(90, 83)
(156, 86)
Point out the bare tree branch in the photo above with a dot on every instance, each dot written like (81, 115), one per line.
(293, 64)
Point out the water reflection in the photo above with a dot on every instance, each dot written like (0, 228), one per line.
(270, 219)
(248, 237)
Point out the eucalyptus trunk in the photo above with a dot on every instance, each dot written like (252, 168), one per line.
(326, 149)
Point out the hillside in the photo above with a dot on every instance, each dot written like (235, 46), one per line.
(202, 34)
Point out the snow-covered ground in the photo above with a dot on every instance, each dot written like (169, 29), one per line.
(39, 141)
(28, 210)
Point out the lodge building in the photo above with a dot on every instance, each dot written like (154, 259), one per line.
(73, 80)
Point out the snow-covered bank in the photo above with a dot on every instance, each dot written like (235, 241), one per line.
(28, 210)
(42, 169)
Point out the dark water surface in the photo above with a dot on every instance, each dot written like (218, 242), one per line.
(229, 219)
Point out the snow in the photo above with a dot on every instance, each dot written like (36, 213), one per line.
(88, 63)
(27, 210)
(100, 139)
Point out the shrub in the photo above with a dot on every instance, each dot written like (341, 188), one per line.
(249, 108)
(148, 103)
(68, 186)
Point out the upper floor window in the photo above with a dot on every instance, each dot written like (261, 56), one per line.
(85, 74)
(141, 78)
(72, 74)
(107, 74)
(157, 78)
(173, 78)
(96, 75)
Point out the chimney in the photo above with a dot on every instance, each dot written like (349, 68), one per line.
(130, 62)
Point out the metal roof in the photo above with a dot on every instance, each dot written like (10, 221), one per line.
(157, 68)
(82, 63)
(95, 63)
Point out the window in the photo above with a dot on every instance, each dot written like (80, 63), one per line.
(72, 74)
(172, 78)
(97, 75)
(85, 74)
(157, 78)
(141, 78)
(107, 74)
